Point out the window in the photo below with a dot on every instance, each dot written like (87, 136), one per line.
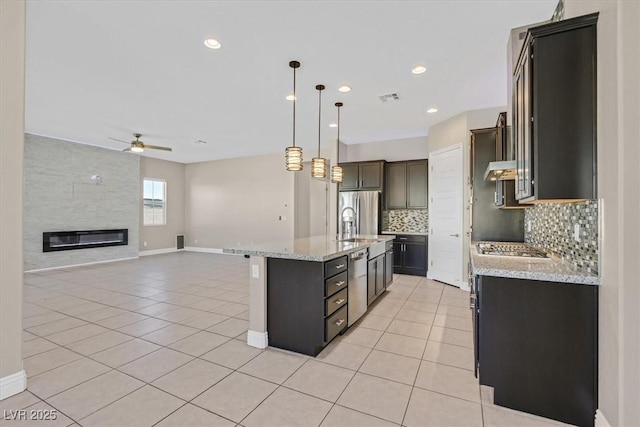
(154, 201)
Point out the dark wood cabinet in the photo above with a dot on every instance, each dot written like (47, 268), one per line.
(307, 303)
(365, 176)
(555, 112)
(410, 255)
(406, 184)
(537, 346)
(375, 278)
(388, 264)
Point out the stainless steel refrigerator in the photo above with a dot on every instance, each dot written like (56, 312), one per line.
(359, 213)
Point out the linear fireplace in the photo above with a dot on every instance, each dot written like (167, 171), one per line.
(69, 240)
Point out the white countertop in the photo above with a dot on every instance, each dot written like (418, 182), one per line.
(315, 248)
(552, 269)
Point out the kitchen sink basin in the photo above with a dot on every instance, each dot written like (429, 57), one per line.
(359, 240)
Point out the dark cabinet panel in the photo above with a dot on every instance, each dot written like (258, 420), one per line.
(350, 178)
(375, 278)
(388, 267)
(555, 112)
(410, 255)
(538, 346)
(380, 264)
(366, 176)
(406, 185)
(417, 184)
(396, 189)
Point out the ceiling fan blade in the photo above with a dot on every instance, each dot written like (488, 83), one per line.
(127, 149)
(119, 140)
(157, 147)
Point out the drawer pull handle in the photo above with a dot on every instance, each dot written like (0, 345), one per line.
(340, 283)
(339, 301)
(403, 238)
(339, 322)
(339, 265)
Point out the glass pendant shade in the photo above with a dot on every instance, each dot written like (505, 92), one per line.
(293, 154)
(293, 158)
(336, 171)
(318, 167)
(336, 174)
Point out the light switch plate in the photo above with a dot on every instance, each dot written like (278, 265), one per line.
(255, 271)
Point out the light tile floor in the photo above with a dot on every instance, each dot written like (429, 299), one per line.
(162, 341)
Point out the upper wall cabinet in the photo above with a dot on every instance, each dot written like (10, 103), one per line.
(365, 176)
(554, 105)
(406, 184)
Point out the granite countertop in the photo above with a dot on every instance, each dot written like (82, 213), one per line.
(552, 269)
(315, 248)
(407, 233)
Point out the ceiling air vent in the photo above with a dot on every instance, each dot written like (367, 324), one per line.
(389, 97)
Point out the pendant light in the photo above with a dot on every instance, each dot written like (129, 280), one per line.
(336, 171)
(318, 164)
(293, 154)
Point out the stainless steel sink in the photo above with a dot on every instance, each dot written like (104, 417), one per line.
(359, 240)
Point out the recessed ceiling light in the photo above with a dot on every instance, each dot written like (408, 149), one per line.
(333, 125)
(419, 69)
(432, 110)
(344, 88)
(212, 43)
(291, 97)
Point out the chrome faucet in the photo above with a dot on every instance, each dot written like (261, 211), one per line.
(348, 227)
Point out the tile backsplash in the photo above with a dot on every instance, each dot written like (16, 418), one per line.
(552, 227)
(406, 220)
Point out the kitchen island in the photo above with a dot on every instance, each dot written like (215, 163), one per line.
(299, 289)
(535, 324)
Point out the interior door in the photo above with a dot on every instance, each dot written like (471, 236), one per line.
(445, 216)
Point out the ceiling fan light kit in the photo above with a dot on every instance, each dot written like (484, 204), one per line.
(138, 146)
(319, 164)
(293, 154)
(336, 171)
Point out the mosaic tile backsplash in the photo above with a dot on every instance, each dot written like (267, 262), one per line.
(406, 220)
(552, 227)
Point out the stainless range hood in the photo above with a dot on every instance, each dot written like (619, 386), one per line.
(501, 171)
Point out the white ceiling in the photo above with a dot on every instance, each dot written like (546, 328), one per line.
(99, 69)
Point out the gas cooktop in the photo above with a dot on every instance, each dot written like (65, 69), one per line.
(511, 249)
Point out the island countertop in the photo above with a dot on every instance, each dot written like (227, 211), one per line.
(552, 269)
(315, 248)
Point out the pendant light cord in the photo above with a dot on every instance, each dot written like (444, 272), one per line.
(294, 106)
(319, 114)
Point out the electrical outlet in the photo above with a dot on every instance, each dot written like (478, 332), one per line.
(576, 232)
(255, 271)
(529, 226)
(196, 240)
(144, 244)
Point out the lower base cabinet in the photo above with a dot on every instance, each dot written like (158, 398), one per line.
(410, 255)
(307, 303)
(537, 346)
(375, 278)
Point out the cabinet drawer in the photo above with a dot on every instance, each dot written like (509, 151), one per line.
(334, 324)
(335, 301)
(335, 266)
(404, 238)
(335, 283)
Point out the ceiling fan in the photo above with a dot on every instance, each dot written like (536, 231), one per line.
(138, 146)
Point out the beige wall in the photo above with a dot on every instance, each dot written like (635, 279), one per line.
(164, 236)
(392, 150)
(456, 130)
(238, 202)
(12, 39)
(618, 183)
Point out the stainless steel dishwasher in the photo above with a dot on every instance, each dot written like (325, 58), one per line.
(357, 285)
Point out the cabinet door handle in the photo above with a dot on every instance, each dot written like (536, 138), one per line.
(339, 322)
(454, 235)
(339, 301)
(340, 283)
(339, 265)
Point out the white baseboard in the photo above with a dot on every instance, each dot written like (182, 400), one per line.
(601, 421)
(159, 251)
(465, 286)
(13, 384)
(80, 265)
(257, 339)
